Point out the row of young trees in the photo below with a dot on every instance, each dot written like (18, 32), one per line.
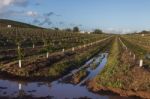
(17, 37)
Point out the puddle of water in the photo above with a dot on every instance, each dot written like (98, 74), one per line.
(93, 73)
(56, 89)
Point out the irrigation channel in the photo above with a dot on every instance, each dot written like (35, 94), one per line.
(58, 89)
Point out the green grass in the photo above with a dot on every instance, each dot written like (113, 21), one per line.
(111, 68)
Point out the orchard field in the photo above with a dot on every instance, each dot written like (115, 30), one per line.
(128, 68)
(26, 51)
(117, 66)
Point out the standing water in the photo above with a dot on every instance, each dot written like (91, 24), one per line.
(57, 89)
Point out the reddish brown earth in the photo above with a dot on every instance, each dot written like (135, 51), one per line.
(117, 91)
(136, 81)
(75, 78)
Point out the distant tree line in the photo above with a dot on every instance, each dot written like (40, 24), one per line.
(98, 31)
(75, 29)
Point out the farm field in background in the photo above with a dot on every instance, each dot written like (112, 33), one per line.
(102, 65)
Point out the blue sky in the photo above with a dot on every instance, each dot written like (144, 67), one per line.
(108, 15)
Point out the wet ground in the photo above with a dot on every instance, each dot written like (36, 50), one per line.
(58, 89)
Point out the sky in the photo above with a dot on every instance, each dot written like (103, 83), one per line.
(119, 16)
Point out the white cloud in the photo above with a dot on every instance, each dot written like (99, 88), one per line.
(7, 3)
(31, 13)
(14, 13)
(119, 30)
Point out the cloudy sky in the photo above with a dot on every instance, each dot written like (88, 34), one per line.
(109, 15)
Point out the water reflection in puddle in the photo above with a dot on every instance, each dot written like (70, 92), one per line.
(56, 89)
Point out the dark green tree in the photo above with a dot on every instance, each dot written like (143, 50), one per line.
(57, 29)
(98, 31)
(68, 30)
(76, 29)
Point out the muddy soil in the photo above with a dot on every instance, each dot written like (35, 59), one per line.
(38, 64)
(76, 78)
(135, 80)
